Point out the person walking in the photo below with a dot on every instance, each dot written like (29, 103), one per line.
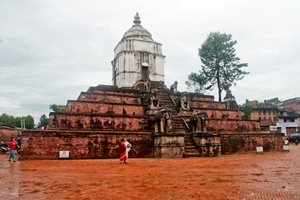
(12, 146)
(128, 146)
(122, 152)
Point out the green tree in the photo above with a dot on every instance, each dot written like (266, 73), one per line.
(10, 120)
(43, 120)
(57, 109)
(29, 122)
(220, 65)
(7, 120)
(18, 122)
(247, 112)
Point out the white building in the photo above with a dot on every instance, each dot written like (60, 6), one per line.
(137, 57)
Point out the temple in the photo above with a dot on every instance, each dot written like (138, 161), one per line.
(160, 122)
(137, 57)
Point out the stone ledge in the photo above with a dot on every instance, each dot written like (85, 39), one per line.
(251, 133)
(168, 135)
(218, 109)
(111, 88)
(167, 145)
(220, 119)
(99, 115)
(83, 133)
(89, 101)
(136, 96)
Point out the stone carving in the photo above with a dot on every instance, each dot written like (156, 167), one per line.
(185, 101)
(173, 87)
(230, 102)
(166, 123)
(163, 122)
(154, 99)
(198, 122)
(147, 86)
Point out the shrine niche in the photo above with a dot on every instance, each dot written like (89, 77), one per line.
(198, 122)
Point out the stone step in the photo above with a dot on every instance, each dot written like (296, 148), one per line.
(177, 120)
(192, 153)
(188, 140)
(188, 155)
(190, 146)
(179, 126)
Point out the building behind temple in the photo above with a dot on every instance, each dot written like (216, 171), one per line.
(160, 122)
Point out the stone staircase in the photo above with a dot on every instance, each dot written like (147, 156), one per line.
(190, 148)
(178, 125)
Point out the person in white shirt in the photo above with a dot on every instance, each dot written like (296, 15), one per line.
(128, 146)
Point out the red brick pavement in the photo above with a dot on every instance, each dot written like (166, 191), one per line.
(240, 176)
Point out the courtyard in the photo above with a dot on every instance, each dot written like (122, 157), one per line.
(273, 175)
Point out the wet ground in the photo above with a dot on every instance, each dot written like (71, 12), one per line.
(240, 176)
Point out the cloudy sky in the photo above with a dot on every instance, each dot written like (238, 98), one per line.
(53, 50)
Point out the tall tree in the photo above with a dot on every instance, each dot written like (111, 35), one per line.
(220, 65)
(7, 120)
(43, 120)
(18, 122)
(29, 122)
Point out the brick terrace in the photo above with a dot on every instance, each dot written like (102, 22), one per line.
(239, 176)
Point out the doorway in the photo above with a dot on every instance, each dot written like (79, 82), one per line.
(145, 71)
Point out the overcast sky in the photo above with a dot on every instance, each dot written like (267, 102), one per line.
(53, 50)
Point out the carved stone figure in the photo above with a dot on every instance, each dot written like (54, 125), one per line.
(185, 101)
(173, 87)
(198, 121)
(230, 102)
(154, 99)
(166, 123)
(147, 86)
(163, 122)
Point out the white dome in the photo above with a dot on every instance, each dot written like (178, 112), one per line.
(137, 31)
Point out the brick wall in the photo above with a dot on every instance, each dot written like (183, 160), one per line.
(6, 133)
(86, 121)
(236, 126)
(83, 145)
(220, 114)
(247, 142)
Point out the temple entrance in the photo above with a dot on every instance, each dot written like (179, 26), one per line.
(145, 71)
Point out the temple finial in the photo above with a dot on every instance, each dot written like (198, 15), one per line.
(137, 20)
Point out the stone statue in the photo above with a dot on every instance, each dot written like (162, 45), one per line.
(173, 87)
(163, 122)
(147, 86)
(230, 102)
(154, 99)
(166, 123)
(198, 121)
(185, 101)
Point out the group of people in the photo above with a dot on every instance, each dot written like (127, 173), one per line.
(124, 148)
